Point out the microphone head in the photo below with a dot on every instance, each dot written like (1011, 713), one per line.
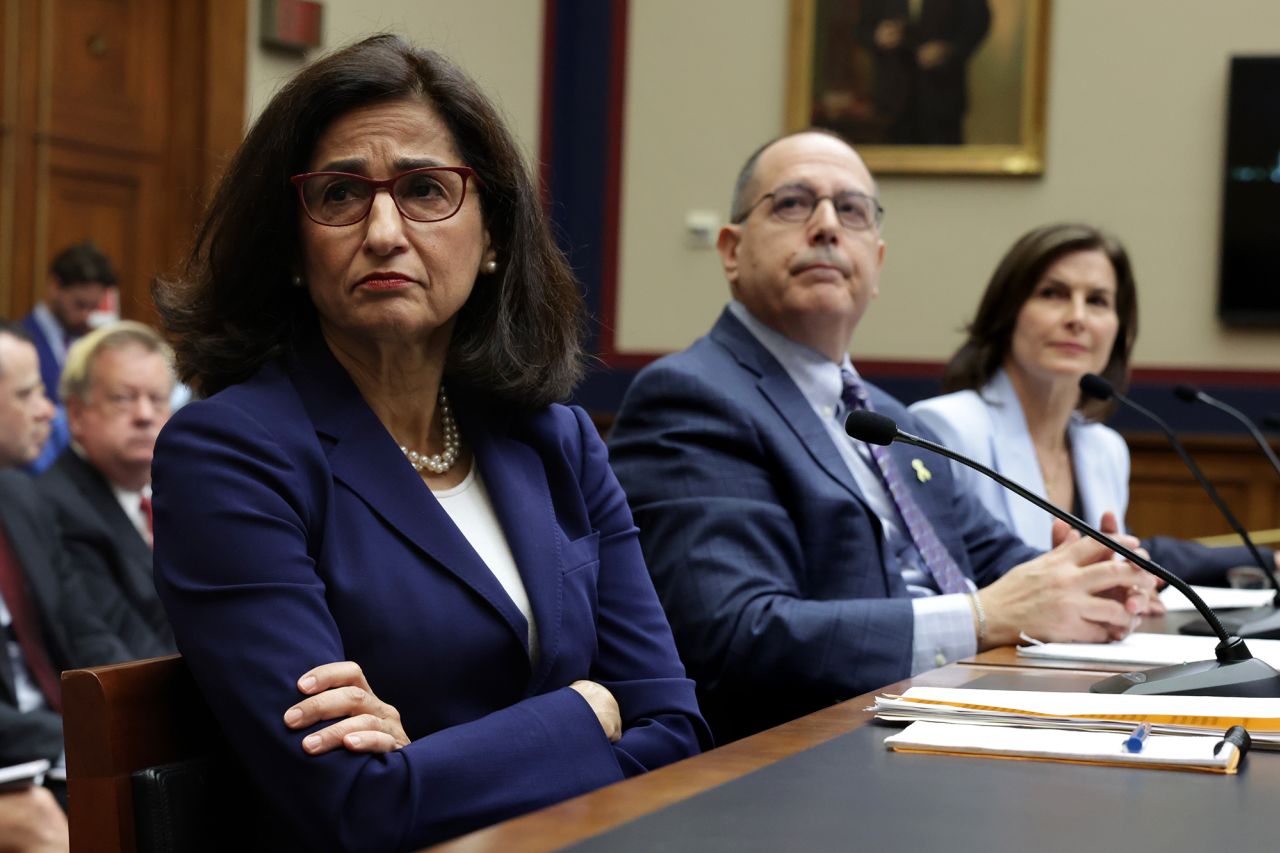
(1186, 393)
(871, 427)
(1096, 387)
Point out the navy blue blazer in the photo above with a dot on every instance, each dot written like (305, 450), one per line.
(290, 532)
(767, 559)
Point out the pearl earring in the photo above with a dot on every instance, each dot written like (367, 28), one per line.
(296, 281)
(489, 267)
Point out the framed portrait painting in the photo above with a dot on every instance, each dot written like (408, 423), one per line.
(924, 86)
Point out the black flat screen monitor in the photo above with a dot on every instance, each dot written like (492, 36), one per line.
(1249, 272)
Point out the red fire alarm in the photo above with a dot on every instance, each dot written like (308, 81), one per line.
(292, 25)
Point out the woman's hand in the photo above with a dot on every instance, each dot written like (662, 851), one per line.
(605, 706)
(339, 690)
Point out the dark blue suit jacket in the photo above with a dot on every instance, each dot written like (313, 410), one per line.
(769, 562)
(50, 371)
(50, 374)
(290, 531)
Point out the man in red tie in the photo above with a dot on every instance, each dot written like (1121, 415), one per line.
(116, 388)
(44, 614)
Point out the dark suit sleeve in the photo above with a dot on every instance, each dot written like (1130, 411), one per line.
(970, 22)
(728, 559)
(239, 527)
(28, 736)
(637, 658)
(1201, 564)
(80, 636)
(87, 559)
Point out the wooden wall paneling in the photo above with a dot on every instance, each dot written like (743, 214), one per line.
(8, 129)
(225, 72)
(208, 81)
(110, 86)
(23, 30)
(1165, 499)
(140, 101)
(113, 199)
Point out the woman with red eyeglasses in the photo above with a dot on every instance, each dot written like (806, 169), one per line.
(405, 579)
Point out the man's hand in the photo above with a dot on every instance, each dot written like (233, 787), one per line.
(888, 33)
(339, 691)
(1078, 592)
(31, 821)
(605, 706)
(931, 54)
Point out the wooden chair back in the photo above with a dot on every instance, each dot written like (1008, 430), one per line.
(119, 719)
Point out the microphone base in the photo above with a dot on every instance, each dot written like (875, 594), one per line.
(1249, 677)
(1260, 624)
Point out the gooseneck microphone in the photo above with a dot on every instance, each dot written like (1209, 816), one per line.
(1234, 672)
(1187, 394)
(1268, 626)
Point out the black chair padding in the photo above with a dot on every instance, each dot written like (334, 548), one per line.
(199, 804)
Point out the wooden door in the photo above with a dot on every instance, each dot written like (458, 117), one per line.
(117, 114)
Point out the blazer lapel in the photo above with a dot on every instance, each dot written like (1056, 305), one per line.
(516, 480)
(1014, 456)
(364, 457)
(782, 393)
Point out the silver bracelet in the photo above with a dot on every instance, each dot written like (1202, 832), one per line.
(981, 614)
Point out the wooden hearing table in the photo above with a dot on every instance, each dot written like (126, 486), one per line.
(825, 782)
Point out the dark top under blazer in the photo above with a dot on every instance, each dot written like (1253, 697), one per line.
(73, 633)
(290, 532)
(769, 562)
(109, 553)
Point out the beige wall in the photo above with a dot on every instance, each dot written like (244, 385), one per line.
(1135, 144)
(1135, 140)
(499, 42)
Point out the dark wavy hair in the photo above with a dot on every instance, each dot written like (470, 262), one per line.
(991, 332)
(233, 309)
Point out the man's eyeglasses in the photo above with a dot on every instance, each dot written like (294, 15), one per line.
(856, 211)
(126, 402)
(422, 195)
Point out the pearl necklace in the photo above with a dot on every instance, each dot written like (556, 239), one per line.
(438, 463)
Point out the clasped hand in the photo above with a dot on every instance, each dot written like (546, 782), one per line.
(1078, 592)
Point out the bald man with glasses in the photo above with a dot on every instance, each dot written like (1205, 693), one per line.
(799, 567)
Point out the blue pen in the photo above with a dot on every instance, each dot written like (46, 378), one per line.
(1133, 743)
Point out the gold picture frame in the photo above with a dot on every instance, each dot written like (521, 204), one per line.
(999, 127)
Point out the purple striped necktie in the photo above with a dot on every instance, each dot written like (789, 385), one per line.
(937, 559)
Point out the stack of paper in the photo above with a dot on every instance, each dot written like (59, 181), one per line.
(1146, 650)
(1217, 597)
(1184, 715)
(1186, 752)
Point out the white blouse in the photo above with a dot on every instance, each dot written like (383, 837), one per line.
(469, 506)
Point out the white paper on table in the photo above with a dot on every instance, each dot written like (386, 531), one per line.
(1064, 744)
(1141, 649)
(1217, 597)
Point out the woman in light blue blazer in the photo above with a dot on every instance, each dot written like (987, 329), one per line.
(381, 324)
(1061, 303)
